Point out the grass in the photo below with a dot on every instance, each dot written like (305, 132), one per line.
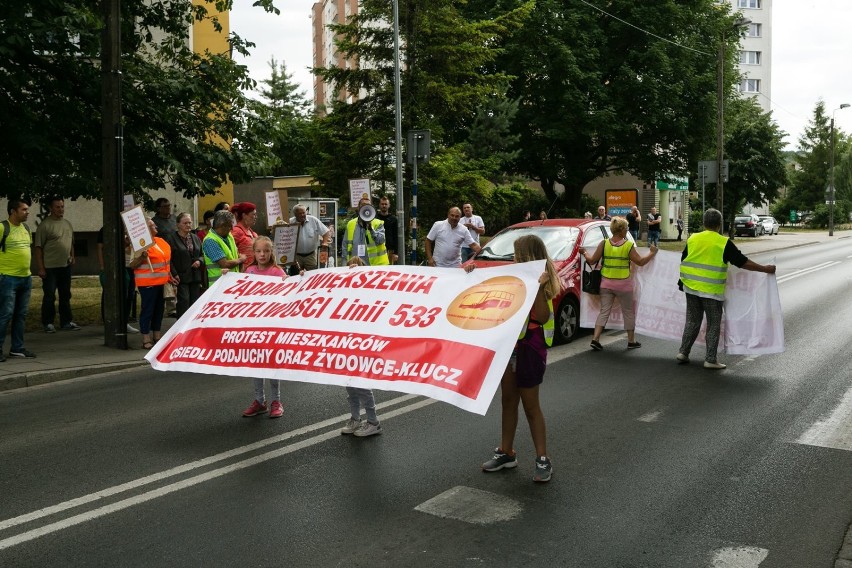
(85, 302)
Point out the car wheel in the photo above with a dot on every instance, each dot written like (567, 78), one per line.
(567, 319)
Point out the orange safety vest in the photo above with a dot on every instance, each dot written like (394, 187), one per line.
(159, 257)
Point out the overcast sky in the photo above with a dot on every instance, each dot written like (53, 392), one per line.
(811, 48)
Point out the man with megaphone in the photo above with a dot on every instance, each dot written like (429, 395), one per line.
(365, 236)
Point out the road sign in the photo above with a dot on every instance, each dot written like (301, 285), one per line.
(794, 215)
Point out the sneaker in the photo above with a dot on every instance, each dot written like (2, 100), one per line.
(276, 409)
(70, 326)
(351, 426)
(681, 358)
(633, 345)
(49, 328)
(368, 429)
(714, 365)
(255, 408)
(543, 470)
(131, 329)
(499, 461)
(596, 345)
(23, 353)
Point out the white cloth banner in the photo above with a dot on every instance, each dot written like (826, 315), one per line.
(438, 332)
(752, 324)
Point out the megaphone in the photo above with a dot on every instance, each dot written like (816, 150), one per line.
(367, 213)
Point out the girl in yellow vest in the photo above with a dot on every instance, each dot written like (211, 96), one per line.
(525, 373)
(151, 270)
(617, 279)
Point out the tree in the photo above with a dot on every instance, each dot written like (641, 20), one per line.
(810, 180)
(597, 95)
(755, 145)
(184, 113)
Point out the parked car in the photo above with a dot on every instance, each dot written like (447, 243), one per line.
(770, 225)
(562, 237)
(748, 225)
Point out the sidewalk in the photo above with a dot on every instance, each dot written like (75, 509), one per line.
(69, 354)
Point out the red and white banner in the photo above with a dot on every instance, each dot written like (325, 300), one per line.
(442, 333)
(752, 323)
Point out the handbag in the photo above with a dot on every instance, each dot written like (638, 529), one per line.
(169, 291)
(591, 279)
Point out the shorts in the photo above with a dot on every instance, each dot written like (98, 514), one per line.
(530, 359)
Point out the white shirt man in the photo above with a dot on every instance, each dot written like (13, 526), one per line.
(312, 233)
(474, 224)
(446, 239)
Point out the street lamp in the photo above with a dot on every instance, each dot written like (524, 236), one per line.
(831, 174)
(720, 117)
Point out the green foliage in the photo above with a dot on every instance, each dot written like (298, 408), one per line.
(178, 106)
(810, 180)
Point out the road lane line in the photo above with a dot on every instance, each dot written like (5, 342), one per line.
(153, 478)
(192, 481)
(652, 416)
(835, 431)
(739, 557)
(806, 271)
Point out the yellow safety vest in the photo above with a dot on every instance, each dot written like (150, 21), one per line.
(616, 260)
(548, 327)
(214, 271)
(703, 269)
(377, 254)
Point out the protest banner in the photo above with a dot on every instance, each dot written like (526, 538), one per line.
(358, 189)
(442, 333)
(752, 323)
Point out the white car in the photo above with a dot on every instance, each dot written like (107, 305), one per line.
(770, 225)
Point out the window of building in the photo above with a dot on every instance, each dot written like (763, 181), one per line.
(750, 58)
(750, 85)
(754, 30)
(748, 3)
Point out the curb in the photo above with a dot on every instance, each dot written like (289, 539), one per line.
(43, 377)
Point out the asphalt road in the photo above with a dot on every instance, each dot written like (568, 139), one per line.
(656, 465)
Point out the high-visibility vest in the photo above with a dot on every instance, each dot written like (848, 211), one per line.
(548, 327)
(377, 254)
(616, 260)
(157, 270)
(703, 269)
(214, 271)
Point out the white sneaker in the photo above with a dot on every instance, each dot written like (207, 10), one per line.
(131, 329)
(351, 426)
(709, 365)
(681, 358)
(368, 429)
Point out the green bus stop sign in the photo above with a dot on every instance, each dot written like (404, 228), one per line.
(794, 216)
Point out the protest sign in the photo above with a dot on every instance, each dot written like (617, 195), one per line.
(284, 240)
(358, 189)
(442, 333)
(274, 215)
(136, 224)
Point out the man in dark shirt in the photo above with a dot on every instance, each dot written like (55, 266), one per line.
(633, 219)
(602, 216)
(391, 228)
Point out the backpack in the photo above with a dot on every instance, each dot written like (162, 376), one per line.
(7, 228)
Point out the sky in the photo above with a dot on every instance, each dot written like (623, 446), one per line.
(811, 48)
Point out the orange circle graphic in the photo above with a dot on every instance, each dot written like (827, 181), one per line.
(283, 259)
(487, 304)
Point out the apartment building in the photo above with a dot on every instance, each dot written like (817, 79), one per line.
(327, 12)
(756, 50)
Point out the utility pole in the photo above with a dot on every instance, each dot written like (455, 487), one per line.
(831, 174)
(112, 139)
(397, 97)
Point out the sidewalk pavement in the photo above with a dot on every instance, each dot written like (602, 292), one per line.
(70, 354)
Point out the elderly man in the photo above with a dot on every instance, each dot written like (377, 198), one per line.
(602, 216)
(703, 273)
(220, 249)
(365, 239)
(446, 239)
(164, 218)
(474, 224)
(312, 234)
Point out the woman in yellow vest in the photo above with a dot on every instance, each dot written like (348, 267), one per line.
(151, 271)
(617, 279)
(220, 250)
(525, 372)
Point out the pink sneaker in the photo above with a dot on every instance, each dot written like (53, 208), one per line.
(276, 409)
(255, 409)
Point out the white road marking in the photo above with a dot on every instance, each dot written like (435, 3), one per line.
(805, 271)
(652, 416)
(555, 354)
(147, 480)
(834, 431)
(746, 360)
(739, 557)
(471, 505)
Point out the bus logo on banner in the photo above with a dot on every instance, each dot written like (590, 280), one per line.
(488, 304)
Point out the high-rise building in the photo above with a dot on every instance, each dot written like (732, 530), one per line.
(326, 12)
(755, 55)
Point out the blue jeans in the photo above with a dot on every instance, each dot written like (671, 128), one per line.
(56, 279)
(14, 304)
(152, 310)
(362, 397)
(465, 253)
(635, 235)
(654, 238)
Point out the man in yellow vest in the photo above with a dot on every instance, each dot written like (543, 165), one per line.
(703, 273)
(220, 250)
(365, 239)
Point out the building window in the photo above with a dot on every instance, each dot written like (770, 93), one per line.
(748, 3)
(754, 30)
(750, 86)
(749, 58)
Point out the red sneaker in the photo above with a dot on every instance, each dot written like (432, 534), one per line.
(255, 409)
(276, 409)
